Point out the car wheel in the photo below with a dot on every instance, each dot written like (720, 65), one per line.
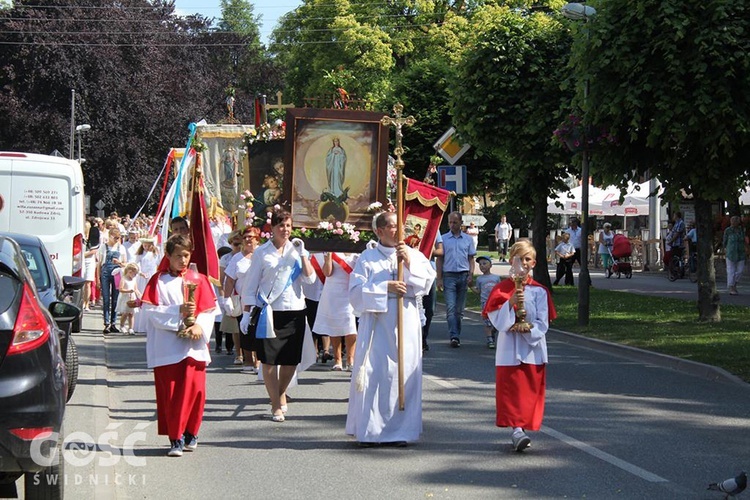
(48, 483)
(71, 366)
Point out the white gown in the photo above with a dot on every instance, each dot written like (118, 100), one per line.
(335, 316)
(148, 262)
(373, 414)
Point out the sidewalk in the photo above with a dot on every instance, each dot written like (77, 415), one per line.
(653, 283)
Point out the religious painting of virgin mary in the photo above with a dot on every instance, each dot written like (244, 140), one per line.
(336, 163)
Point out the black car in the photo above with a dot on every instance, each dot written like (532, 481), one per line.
(33, 381)
(51, 288)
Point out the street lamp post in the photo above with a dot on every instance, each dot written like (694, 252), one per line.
(79, 130)
(581, 12)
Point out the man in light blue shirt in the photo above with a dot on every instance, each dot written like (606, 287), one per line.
(455, 270)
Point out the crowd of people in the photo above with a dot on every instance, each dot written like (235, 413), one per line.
(278, 309)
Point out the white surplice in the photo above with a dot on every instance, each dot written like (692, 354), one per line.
(373, 414)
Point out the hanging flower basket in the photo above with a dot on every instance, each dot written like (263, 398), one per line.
(576, 137)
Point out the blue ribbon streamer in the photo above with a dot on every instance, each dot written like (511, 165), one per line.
(176, 202)
(260, 332)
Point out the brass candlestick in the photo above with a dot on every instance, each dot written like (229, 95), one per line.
(519, 274)
(188, 321)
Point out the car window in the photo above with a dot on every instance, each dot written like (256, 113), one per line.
(37, 267)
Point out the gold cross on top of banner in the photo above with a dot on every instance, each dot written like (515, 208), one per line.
(398, 122)
(278, 104)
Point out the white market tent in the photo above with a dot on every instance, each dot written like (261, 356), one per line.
(604, 201)
(571, 201)
(745, 197)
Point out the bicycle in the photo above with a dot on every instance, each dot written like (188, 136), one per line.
(679, 267)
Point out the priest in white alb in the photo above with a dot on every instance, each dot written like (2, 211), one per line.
(374, 417)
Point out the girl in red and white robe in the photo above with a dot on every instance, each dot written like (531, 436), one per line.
(179, 362)
(521, 358)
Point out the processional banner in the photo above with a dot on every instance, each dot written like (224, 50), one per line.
(424, 206)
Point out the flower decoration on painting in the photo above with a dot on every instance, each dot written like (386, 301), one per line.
(334, 230)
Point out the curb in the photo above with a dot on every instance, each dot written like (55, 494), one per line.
(702, 370)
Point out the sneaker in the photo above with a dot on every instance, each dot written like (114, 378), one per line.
(230, 352)
(191, 442)
(217, 350)
(337, 367)
(249, 369)
(113, 329)
(521, 441)
(106, 329)
(238, 360)
(455, 342)
(131, 332)
(490, 343)
(176, 449)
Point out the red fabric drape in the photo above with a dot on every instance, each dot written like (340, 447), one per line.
(429, 203)
(204, 252)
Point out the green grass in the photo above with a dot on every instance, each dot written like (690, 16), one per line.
(664, 325)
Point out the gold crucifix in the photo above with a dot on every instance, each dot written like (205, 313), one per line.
(278, 104)
(398, 122)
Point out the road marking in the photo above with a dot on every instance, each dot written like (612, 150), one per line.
(595, 452)
(442, 383)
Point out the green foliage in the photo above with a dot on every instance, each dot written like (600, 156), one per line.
(679, 104)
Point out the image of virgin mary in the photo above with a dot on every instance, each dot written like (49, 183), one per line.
(336, 168)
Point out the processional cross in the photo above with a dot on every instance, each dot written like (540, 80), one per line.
(398, 122)
(278, 104)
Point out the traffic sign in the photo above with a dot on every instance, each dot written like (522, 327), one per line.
(100, 205)
(478, 220)
(449, 148)
(452, 178)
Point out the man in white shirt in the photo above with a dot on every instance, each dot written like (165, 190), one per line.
(503, 230)
(575, 233)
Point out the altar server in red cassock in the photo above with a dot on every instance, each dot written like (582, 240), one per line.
(179, 361)
(521, 358)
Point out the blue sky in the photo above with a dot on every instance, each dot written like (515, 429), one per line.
(271, 10)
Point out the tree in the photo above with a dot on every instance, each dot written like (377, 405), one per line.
(506, 102)
(670, 80)
(141, 74)
(323, 35)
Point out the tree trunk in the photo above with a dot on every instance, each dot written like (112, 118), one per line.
(708, 297)
(539, 226)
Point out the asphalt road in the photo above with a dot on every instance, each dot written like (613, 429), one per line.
(615, 426)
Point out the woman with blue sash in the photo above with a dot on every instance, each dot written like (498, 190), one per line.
(274, 284)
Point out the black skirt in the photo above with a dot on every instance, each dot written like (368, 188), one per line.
(247, 339)
(286, 348)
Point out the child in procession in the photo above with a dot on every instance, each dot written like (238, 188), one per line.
(521, 358)
(177, 352)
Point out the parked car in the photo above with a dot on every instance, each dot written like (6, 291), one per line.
(51, 288)
(33, 381)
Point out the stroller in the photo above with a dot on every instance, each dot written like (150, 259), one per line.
(620, 252)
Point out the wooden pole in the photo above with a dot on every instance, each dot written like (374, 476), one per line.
(400, 273)
(399, 122)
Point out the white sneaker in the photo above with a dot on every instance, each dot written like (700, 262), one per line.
(131, 332)
(520, 441)
(238, 360)
(249, 369)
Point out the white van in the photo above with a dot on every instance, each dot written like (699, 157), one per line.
(43, 196)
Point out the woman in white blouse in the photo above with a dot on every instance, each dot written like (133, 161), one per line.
(278, 269)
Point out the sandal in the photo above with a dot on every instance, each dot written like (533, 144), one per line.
(277, 418)
(337, 367)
